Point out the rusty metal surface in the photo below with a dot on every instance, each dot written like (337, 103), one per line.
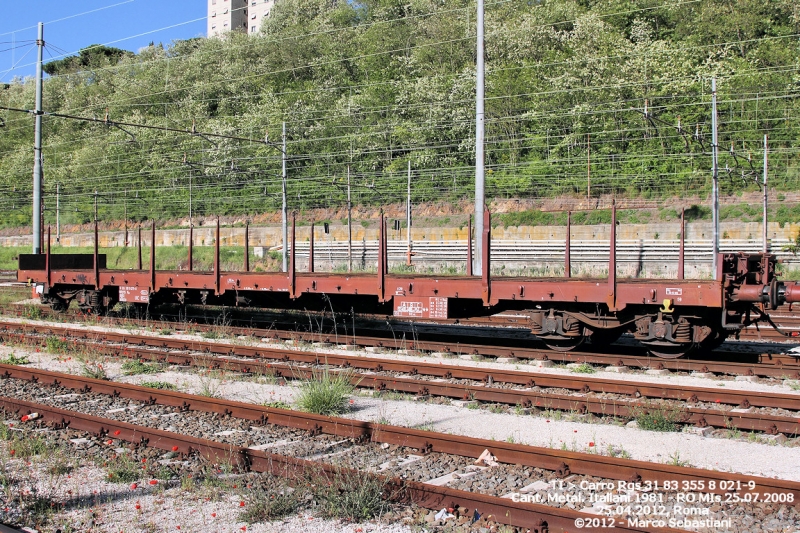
(376, 364)
(778, 365)
(536, 290)
(503, 510)
(748, 421)
(424, 441)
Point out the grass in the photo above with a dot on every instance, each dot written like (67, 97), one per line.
(133, 367)
(675, 460)
(94, 371)
(349, 495)
(162, 385)
(28, 446)
(552, 414)
(278, 404)
(14, 294)
(14, 360)
(618, 451)
(32, 311)
(326, 393)
(657, 419)
(583, 368)
(270, 500)
(56, 345)
(123, 469)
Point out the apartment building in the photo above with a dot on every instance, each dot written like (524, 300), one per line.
(242, 15)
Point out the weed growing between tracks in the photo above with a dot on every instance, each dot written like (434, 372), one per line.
(326, 393)
(32, 311)
(583, 368)
(14, 360)
(31, 507)
(675, 460)
(270, 499)
(349, 494)
(162, 385)
(93, 370)
(123, 469)
(56, 345)
(133, 367)
(657, 417)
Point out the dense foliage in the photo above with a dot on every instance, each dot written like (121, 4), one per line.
(94, 56)
(375, 84)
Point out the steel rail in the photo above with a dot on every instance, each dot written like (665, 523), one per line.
(741, 418)
(527, 398)
(777, 365)
(528, 379)
(773, 365)
(561, 461)
(542, 517)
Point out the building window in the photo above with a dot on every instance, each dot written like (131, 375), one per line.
(214, 14)
(213, 26)
(254, 16)
(252, 29)
(225, 12)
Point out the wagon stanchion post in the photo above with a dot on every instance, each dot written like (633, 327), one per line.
(190, 266)
(567, 247)
(385, 249)
(139, 256)
(681, 251)
(486, 261)
(292, 259)
(469, 245)
(311, 249)
(381, 258)
(96, 259)
(153, 257)
(247, 246)
(47, 259)
(612, 260)
(216, 261)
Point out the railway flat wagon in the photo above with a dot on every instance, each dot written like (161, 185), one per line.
(669, 316)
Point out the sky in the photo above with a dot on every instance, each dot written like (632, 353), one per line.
(72, 25)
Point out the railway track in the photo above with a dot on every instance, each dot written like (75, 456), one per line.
(703, 407)
(430, 469)
(764, 363)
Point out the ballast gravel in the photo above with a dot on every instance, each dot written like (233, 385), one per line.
(768, 458)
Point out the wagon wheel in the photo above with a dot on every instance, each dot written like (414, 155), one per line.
(59, 305)
(560, 343)
(714, 340)
(668, 350)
